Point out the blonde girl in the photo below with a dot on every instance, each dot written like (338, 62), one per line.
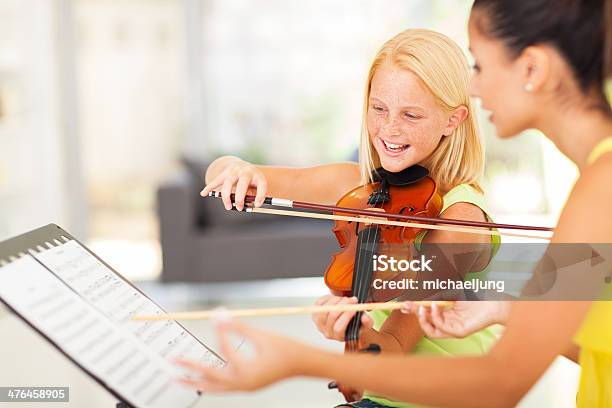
(417, 110)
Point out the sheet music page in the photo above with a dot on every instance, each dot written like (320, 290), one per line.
(119, 301)
(90, 338)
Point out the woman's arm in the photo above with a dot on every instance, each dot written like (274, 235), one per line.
(500, 378)
(536, 333)
(323, 184)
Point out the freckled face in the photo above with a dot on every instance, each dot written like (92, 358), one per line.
(404, 121)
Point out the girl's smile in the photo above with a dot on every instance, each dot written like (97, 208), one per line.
(392, 149)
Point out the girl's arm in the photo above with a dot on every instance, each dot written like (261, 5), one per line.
(401, 332)
(323, 184)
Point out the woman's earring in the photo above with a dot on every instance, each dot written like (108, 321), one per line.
(528, 87)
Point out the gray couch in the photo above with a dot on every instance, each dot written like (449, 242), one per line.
(202, 242)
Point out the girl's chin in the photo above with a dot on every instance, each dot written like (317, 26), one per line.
(395, 167)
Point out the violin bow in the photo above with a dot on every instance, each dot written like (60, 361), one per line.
(222, 313)
(471, 227)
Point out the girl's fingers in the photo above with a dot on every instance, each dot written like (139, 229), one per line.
(331, 317)
(226, 191)
(320, 319)
(241, 189)
(366, 321)
(323, 300)
(341, 324)
(216, 182)
(262, 188)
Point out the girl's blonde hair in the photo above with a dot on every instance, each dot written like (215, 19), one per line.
(441, 66)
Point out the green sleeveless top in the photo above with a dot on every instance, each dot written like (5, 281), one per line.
(475, 344)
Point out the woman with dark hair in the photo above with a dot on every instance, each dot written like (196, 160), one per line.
(539, 64)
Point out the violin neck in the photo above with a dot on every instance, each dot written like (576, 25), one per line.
(367, 246)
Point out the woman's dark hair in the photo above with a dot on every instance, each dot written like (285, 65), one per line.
(578, 29)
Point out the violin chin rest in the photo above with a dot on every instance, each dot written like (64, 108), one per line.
(407, 176)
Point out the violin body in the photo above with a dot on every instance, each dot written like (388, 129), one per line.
(419, 198)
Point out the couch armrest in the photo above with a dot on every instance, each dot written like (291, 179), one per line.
(176, 214)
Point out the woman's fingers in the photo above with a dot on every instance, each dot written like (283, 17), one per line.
(190, 365)
(442, 325)
(409, 307)
(212, 379)
(225, 346)
(426, 324)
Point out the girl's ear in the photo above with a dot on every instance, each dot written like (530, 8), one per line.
(455, 119)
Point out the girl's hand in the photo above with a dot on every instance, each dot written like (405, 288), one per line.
(239, 175)
(333, 324)
(460, 320)
(274, 358)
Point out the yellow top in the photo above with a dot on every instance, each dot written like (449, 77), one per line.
(595, 337)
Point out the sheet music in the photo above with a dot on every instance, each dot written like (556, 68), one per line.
(120, 301)
(117, 357)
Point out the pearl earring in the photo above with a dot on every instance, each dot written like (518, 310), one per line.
(528, 87)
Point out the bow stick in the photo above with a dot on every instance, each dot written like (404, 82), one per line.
(473, 227)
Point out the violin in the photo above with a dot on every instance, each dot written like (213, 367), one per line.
(399, 206)
(410, 192)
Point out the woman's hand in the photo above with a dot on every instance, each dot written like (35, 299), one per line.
(274, 358)
(234, 173)
(333, 324)
(460, 320)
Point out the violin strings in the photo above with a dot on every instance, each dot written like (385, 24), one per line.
(362, 286)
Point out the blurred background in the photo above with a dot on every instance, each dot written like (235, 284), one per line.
(110, 111)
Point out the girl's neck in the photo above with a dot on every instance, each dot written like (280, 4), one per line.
(576, 131)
